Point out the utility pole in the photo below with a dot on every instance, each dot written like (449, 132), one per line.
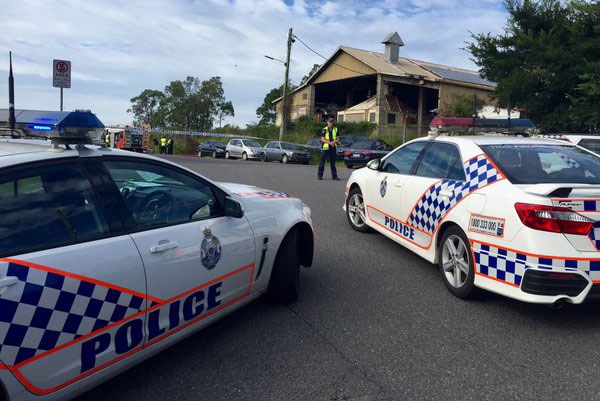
(11, 96)
(283, 127)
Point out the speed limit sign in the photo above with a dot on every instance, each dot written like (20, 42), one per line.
(61, 72)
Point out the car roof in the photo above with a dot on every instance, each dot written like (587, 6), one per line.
(497, 140)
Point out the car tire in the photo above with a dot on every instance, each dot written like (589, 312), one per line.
(284, 284)
(227, 155)
(263, 157)
(285, 159)
(199, 154)
(349, 166)
(456, 263)
(244, 156)
(214, 155)
(355, 211)
(305, 163)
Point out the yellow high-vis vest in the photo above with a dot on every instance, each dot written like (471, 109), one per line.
(327, 134)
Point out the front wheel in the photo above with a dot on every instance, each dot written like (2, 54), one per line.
(355, 211)
(263, 157)
(244, 156)
(227, 156)
(214, 155)
(456, 264)
(284, 284)
(284, 159)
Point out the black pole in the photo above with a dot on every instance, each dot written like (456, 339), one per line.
(11, 95)
(509, 109)
(474, 108)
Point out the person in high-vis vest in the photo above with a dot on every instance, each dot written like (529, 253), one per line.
(163, 145)
(107, 139)
(329, 141)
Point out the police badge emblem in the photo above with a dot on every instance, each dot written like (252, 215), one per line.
(383, 187)
(210, 250)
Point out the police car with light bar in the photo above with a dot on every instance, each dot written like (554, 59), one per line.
(516, 216)
(108, 256)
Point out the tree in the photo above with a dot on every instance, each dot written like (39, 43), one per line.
(145, 105)
(266, 111)
(461, 105)
(191, 104)
(310, 74)
(545, 61)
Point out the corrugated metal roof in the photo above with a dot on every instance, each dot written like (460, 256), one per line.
(377, 61)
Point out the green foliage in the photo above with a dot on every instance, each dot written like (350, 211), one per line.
(461, 105)
(310, 74)
(190, 104)
(546, 61)
(144, 106)
(266, 111)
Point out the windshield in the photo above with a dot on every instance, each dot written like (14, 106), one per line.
(252, 144)
(362, 145)
(290, 146)
(535, 163)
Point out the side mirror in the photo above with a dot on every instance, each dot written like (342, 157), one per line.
(374, 164)
(233, 208)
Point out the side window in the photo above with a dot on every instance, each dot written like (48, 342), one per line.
(442, 160)
(403, 159)
(158, 196)
(46, 207)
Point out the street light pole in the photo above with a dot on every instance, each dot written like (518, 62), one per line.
(282, 127)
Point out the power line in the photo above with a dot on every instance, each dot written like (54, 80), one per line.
(325, 58)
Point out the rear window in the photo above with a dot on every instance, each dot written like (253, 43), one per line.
(533, 164)
(591, 144)
(362, 145)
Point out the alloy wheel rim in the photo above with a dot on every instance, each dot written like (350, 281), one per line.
(356, 210)
(455, 261)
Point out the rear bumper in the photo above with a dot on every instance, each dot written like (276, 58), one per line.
(535, 278)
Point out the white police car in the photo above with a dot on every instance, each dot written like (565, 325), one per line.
(516, 216)
(107, 257)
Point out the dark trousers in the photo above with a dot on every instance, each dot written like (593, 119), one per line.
(331, 155)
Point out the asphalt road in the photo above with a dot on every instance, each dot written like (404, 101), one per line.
(374, 322)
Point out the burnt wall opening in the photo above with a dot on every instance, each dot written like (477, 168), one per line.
(331, 97)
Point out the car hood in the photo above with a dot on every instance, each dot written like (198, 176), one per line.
(252, 193)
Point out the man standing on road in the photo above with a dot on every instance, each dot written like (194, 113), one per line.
(329, 141)
(163, 145)
(170, 146)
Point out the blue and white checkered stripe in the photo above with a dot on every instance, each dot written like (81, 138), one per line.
(510, 266)
(270, 194)
(594, 235)
(568, 161)
(54, 310)
(431, 208)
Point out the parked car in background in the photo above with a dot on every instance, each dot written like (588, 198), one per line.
(211, 148)
(347, 140)
(361, 152)
(285, 152)
(245, 149)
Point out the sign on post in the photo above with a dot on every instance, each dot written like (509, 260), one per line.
(61, 73)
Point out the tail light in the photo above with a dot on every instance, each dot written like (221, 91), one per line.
(346, 154)
(368, 154)
(554, 219)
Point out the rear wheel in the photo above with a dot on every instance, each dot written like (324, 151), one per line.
(456, 263)
(355, 211)
(244, 156)
(284, 284)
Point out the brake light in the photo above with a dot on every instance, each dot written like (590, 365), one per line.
(368, 154)
(554, 219)
(346, 154)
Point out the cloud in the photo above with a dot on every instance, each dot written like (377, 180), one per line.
(119, 48)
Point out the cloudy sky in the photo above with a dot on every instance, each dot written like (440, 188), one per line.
(118, 48)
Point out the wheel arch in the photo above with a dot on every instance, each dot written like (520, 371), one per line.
(305, 243)
(440, 233)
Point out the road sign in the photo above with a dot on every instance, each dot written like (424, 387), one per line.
(61, 73)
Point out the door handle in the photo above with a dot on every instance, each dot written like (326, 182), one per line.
(161, 247)
(446, 194)
(7, 281)
(398, 184)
